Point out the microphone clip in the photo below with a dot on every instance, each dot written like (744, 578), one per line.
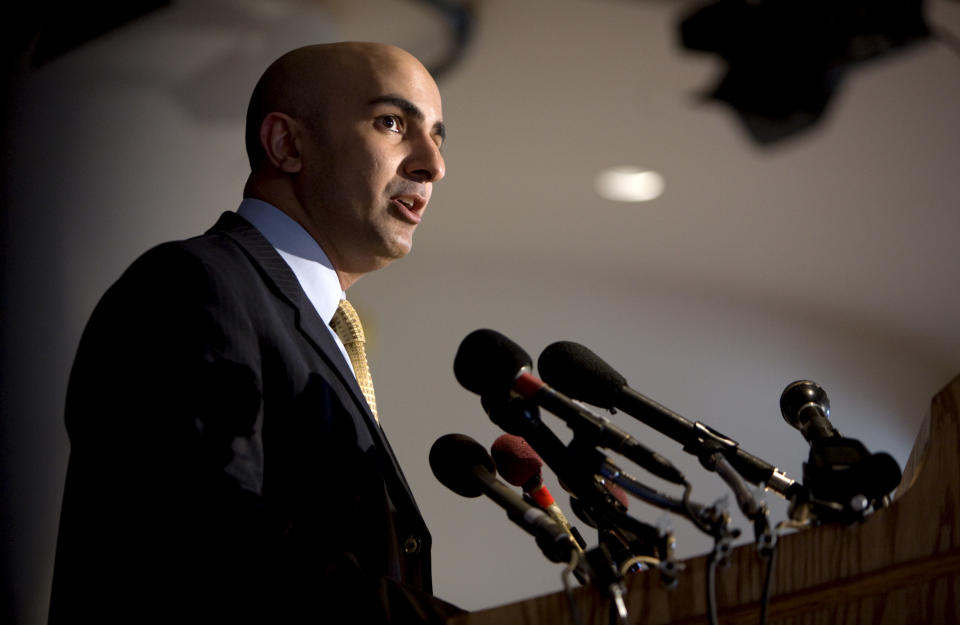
(844, 481)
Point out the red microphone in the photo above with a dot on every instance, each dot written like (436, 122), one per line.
(519, 464)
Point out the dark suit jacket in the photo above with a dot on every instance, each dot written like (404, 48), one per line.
(224, 465)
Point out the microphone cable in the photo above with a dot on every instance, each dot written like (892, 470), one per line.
(565, 576)
(770, 555)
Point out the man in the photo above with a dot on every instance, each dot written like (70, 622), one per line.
(225, 465)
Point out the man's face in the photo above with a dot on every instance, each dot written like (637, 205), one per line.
(371, 161)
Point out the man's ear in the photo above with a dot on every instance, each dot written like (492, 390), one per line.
(278, 136)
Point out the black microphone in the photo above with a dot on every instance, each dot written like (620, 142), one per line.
(583, 375)
(489, 363)
(806, 407)
(464, 466)
(838, 469)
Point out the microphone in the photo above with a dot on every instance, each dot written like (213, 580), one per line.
(520, 465)
(464, 466)
(489, 363)
(580, 471)
(806, 407)
(583, 375)
(839, 469)
(521, 417)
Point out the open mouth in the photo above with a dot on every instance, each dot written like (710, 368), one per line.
(410, 207)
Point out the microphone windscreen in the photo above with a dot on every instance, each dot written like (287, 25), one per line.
(577, 372)
(488, 362)
(460, 463)
(516, 460)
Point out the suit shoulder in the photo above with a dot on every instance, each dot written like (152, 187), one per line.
(213, 255)
(204, 249)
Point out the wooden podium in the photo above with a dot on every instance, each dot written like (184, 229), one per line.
(900, 566)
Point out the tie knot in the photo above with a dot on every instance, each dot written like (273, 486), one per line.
(346, 323)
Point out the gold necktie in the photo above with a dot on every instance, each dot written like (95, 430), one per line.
(347, 325)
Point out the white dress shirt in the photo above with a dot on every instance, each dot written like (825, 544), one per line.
(306, 259)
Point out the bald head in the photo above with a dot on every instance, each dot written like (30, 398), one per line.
(304, 82)
(345, 139)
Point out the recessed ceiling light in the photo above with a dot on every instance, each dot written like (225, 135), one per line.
(629, 184)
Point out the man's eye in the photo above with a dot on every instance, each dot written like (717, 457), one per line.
(389, 122)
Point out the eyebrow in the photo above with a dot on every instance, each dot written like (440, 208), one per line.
(410, 109)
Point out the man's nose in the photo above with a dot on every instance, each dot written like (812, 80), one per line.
(425, 163)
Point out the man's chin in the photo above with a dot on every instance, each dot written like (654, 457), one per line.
(399, 253)
(399, 246)
(394, 250)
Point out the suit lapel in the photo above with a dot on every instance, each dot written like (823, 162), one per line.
(277, 271)
(308, 322)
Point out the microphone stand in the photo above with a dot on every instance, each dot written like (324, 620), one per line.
(711, 456)
(604, 575)
(609, 579)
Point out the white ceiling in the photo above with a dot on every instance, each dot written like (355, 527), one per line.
(832, 255)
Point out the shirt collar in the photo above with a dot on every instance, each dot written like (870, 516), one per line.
(301, 252)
